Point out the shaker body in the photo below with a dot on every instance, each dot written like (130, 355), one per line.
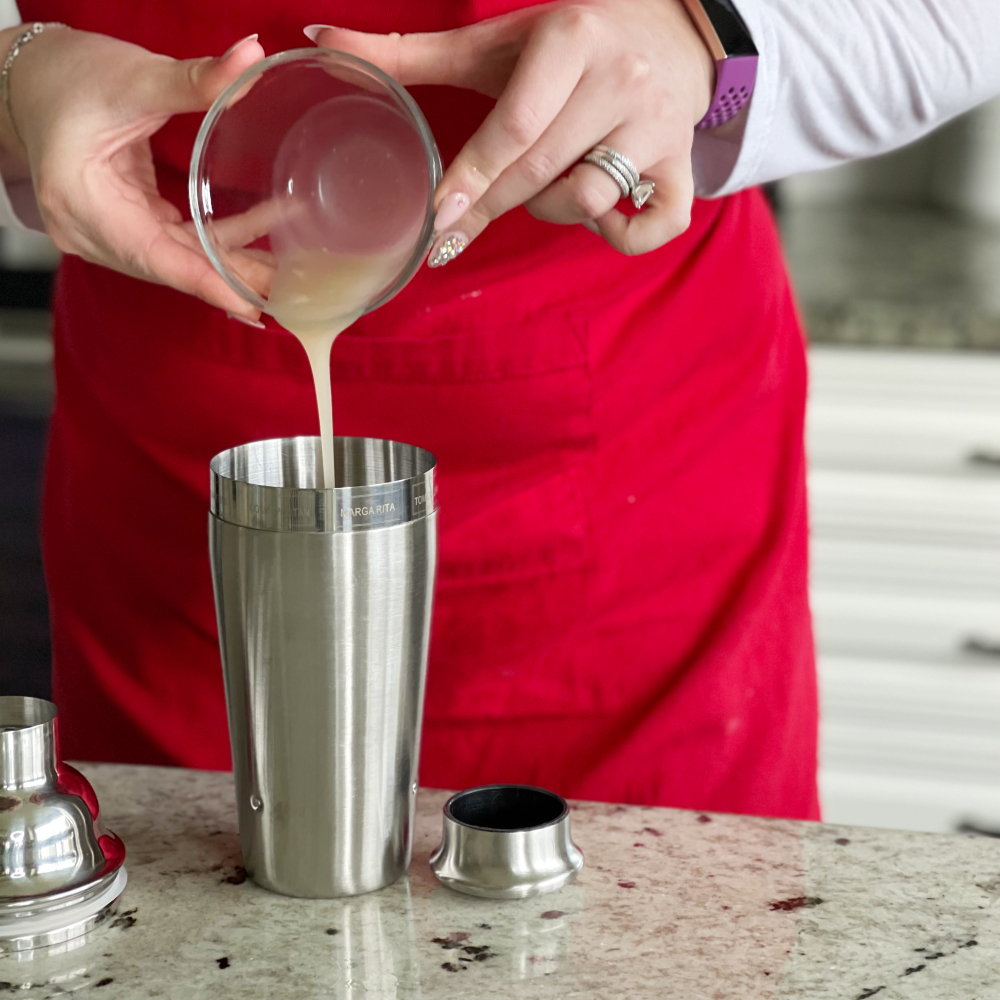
(324, 637)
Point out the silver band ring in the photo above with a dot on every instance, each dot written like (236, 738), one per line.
(610, 168)
(620, 160)
(623, 170)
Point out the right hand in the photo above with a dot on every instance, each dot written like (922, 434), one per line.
(84, 106)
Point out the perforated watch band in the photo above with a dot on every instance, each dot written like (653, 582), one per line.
(735, 55)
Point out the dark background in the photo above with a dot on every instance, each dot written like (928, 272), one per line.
(25, 401)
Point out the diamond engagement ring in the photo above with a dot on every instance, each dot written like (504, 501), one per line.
(622, 170)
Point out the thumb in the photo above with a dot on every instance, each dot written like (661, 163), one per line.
(462, 57)
(184, 85)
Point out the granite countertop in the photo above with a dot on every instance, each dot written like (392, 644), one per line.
(671, 904)
(895, 276)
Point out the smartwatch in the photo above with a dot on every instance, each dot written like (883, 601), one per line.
(735, 57)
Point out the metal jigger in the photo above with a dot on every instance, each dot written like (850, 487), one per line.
(61, 873)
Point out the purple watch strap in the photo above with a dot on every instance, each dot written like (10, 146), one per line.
(734, 80)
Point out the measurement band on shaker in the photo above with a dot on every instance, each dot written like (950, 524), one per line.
(254, 506)
(368, 511)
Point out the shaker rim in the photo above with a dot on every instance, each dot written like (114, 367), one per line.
(427, 459)
(544, 793)
(9, 702)
(272, 485)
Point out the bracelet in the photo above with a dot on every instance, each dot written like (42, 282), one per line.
(15, 50)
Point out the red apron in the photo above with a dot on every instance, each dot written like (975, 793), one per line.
(621, 611)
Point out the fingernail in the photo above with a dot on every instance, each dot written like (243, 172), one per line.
(447, 247)
(232, 48)
(256, 324)
(312, 31)
(592, 226)
(452, 209)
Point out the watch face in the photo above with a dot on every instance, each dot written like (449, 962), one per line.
(729, 27)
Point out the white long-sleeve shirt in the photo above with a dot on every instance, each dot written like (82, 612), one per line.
(837, 80)
(841, 80)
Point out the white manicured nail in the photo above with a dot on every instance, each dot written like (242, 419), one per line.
(256, 324)
(312, 31)
(232, 48)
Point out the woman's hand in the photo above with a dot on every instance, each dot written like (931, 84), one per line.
(567, 76)
(83, 107)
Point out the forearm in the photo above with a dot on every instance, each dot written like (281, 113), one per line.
(851, 79)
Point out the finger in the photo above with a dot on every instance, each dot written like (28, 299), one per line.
(242, 228)
(665, 216)
(588, 191)
(136, 239)
(165, 211)
(233, 234)
(169, 262)
(254, 267)
(160, 254)
(163, 254)
(462, 57)
(537, 93)
(178, 266)
(182, 85)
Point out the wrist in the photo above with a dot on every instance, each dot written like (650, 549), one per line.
(13, 155)
(18, 46)
(703, 70)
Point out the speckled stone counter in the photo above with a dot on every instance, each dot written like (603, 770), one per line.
(670, 905)
(895, 276)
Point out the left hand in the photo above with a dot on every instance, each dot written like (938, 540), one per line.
(567, 76)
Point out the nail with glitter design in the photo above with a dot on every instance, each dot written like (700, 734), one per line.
(249, 322)
(452, 209)
(447, 247)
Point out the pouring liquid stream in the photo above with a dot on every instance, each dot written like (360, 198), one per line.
(350, 179)
(308, 288)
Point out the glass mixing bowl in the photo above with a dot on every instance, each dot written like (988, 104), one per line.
(312, 184)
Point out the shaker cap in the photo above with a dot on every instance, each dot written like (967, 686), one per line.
(506, 842)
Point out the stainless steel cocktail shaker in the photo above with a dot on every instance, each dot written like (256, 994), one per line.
(324, 602)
